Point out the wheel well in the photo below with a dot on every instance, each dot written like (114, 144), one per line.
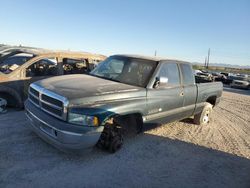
(133, 115)
(11, 100)
(212, 100)
(130, 116)
(128, 121)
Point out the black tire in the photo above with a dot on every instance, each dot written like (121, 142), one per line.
(116, 144)
(203, 117)
(12, 97)
(103, 142)
(111, 138)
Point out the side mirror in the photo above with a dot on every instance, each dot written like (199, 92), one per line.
(160, 81)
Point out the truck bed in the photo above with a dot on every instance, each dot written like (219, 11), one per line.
(214, 89)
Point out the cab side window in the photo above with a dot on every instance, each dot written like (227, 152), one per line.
(170, 71)
(43, 67)
(9, 64)
(187, 74)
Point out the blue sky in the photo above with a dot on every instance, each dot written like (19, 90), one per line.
(181, 29)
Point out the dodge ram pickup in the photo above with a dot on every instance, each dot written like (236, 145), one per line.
(123, 93)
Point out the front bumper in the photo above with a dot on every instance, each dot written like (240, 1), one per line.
(59, 133)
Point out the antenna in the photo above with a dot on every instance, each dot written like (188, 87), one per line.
(155, 52)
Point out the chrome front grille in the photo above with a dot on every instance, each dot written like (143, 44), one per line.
(48, 101)
(34, 92)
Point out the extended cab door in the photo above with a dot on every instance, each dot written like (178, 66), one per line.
(189, 89)
(165, 102)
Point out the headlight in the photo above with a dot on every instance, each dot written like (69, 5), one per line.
(80, 119)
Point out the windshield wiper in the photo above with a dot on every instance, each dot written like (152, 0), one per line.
(111, 79)
(103, 77)
(114, 80)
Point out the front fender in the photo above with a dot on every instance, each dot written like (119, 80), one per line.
(113, 108)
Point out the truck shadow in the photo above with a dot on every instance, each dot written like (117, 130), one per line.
(146, 160)
(150, 126)
(188, 120)
(162, 161)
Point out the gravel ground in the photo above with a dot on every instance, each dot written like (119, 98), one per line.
(178, 154)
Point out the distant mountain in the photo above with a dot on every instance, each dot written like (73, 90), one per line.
(225, 65)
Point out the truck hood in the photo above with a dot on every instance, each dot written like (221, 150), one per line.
(82, 89)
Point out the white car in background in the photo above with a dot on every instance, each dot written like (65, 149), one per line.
(241, 82)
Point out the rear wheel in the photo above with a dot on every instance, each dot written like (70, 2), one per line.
(203, 117)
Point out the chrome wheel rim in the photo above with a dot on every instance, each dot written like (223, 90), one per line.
(206, 117)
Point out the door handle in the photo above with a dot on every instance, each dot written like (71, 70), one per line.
(182, 94)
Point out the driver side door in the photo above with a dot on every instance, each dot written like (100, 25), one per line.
(165, 102)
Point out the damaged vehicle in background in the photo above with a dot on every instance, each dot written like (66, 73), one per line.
(203, 77)
(241, 82)
(20, 67)
(120, 96)
(11, 50)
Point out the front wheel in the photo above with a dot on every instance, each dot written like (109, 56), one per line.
(111, 138)
(203, 117)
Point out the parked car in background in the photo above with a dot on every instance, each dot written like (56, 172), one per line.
(228, 80)
(203, 77)
(241, 82)
(197, 72)
(8, 50)
(218, 76)
(20, 67)
(226, 74)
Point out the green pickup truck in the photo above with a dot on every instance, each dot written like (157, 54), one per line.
(123, 93)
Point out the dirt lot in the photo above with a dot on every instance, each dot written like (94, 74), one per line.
(179, 154)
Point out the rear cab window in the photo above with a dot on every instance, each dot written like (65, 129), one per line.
(75, 66)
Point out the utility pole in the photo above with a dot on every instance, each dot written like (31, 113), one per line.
(205, 62)
(155, 53)
(208, 56)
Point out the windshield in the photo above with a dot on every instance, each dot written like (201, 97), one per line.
(126, 70)
(13, 62)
